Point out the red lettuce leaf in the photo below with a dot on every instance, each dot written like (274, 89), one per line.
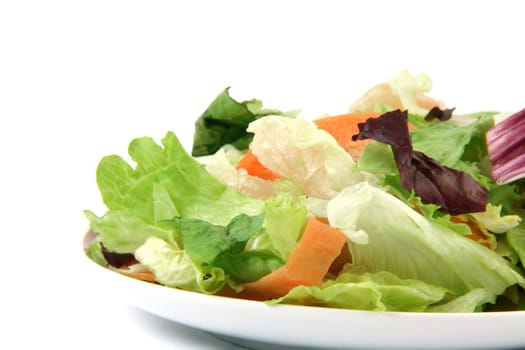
(506, 148)
(439, 114)
(456, 192)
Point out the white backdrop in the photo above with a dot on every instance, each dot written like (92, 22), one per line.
(80, 79)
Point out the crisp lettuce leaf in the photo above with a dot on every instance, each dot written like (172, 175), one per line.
(173, 267)
(220, 166)
(225, 122)
(94, 252)
(122, 231)
(463, 142)
(378, 159)
(166, 182)
(493, 221)
(381, 291)
(469, 302)
(296, 149)
(403, 91)
(516, 239)
(285, 219)
(403, 242)
(408, 87)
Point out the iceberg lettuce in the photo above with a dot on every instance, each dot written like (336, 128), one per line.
(381, 291)
(173, 267)
(296, 149)
(405, 243)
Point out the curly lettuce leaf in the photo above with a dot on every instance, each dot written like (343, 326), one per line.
(381, 291)
(285, 219)
(166, 182)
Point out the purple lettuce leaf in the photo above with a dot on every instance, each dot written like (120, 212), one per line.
(439, 114)
(456, 192)
(506, 148)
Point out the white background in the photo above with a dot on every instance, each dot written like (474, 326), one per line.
(80, 79)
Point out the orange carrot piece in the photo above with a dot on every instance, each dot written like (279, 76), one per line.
(308, 264)
(252, 165)
(477, 234)
(343, 127)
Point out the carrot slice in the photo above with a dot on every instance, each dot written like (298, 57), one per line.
(308, 264)
(343, 127)
(251, 164)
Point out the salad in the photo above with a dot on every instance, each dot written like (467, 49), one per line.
(399, 204)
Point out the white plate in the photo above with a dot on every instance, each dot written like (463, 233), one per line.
(261, 326)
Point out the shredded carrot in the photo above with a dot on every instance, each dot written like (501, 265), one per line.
(308, 264)
(477, 234)
(254, 167)
(141, 275)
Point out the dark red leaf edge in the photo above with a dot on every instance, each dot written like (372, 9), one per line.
(456, 192)
(439, 114)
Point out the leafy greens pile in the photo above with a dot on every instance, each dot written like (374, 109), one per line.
(409, 206)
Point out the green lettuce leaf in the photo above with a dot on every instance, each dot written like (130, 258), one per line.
(296, 149)
(381, 291)
(204, 241)
(173, 267)
(378, 159)
(122, 232)
(469, 302)
(405, 243)
(463, 142)
(165, 183)
(248, 266)
(225, 122)
(516, 239)
(224, 246)
(285, 218)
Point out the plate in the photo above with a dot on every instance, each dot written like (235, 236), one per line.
(258, 325)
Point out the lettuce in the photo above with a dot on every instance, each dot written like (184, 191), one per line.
(516, 239)
(456, 192)
(296, 149)
(381, 291)
(220, 166)
(398, 237)
(225, 121)
(285, 219)
(224, 246)
(165, 183)
(408, 87)
(173, 267)
(463, 142)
